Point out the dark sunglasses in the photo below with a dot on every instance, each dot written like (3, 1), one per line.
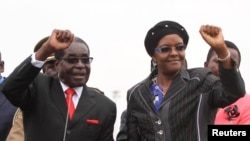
(166, 49)
(75, 60)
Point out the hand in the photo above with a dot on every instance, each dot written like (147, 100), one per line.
(60, 39)
(214, 37)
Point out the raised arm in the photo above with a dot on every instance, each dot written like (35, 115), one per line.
(59, 39)
(214, 37)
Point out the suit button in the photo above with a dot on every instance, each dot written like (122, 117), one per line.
(160, 132)
(158, 122)
(68, 132)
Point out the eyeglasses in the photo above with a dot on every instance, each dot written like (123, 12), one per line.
(75, 60)
(166, 49)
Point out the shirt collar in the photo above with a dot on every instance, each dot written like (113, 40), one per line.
(77, 89)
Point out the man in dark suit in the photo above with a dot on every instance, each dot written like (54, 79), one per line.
(42, 98)
(7, 110)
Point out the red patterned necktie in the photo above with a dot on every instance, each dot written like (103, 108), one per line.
(71, 108)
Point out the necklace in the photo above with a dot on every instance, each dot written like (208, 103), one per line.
(163, 88)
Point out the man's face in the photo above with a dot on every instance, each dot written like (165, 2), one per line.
(213, 65)
(74, 73)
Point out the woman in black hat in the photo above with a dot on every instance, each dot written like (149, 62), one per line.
(174, 103)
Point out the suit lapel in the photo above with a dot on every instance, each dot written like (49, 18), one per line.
(145, 94)
(85, 104)
(58, 97)
(177, 85)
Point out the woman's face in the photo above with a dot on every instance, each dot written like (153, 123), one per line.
(169, 54)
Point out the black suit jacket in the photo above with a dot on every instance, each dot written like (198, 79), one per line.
(44, 107)
(7, 111)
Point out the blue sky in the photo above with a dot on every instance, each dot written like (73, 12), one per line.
(115, 31)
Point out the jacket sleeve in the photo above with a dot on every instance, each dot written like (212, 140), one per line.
(16, 85)
(231, 87)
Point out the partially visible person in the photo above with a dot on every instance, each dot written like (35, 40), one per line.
(122, 133)
(237, 112)
(17, 132)
(49, 67)
(175, 103)
(47, 115)
(7, 109)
